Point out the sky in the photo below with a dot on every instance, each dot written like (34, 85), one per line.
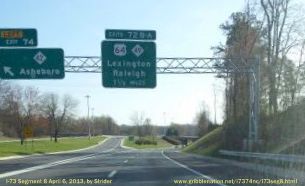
(184, 29)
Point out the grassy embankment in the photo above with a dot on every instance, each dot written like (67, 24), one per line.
(47, 146)
(160, 143)
(281, 133)
(207, 145)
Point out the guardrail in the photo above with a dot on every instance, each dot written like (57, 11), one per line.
(265, 156)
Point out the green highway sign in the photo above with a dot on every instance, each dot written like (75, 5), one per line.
(18, 37)
(128, 64)
(130, 34)
(35, 63)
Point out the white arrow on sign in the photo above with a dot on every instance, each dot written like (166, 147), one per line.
(7, 70)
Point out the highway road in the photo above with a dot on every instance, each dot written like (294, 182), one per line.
(110, 164)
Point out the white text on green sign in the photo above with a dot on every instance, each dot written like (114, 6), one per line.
(37, 63)
(18, 37)
(128, 64)
(130, 34)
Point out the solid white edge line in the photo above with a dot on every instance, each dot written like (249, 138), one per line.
(52, 164)
(125, 147)
(39, 167)
(52, 153)
(86, 148)
(112, 173)
(189, 169)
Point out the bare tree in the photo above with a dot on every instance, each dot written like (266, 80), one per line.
(50, 108)
(292, 81)
(147, 127)
(283, 25)
(138, 119)
(296, 88)
(203, 120)
(31, 99)
(13, 108)
(56, 112)
(68, 106)
(19, 107)
(5, 89)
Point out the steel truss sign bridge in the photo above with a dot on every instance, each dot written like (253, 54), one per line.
(220, 66)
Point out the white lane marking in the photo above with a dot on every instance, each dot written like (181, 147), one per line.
(112, 173)
(83, 149)
(188, 168)
(60, 152)
(125, 147)
(39, 167)
(125, 161)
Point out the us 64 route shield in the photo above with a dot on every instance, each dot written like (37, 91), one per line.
(128, 64)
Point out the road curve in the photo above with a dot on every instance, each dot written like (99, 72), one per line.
(110, 164)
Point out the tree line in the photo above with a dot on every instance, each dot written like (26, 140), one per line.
(49, 114)
(25, 112)
(24, 108)
(272, 31)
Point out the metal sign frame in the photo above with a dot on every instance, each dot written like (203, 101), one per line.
(220, 66)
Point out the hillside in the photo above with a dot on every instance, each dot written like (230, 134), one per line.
(208, 144)
(283, 133)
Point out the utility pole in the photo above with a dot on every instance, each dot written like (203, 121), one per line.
(92, 119)
(92, 111)
(89, 127)
(215, 122)
(164, 123)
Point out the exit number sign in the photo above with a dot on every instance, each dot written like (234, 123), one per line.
(130, 34)
(15, 37)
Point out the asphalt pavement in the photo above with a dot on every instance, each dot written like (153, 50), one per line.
(111, 164)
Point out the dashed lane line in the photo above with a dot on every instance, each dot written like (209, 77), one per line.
(112, 173)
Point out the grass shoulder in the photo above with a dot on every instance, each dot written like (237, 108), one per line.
(46, 146)
(156, 142)
(4, 138)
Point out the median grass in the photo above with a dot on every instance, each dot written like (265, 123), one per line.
(160, 143)
(47, 146)
(4, 138)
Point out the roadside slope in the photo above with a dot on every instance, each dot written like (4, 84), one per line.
(206, 145)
